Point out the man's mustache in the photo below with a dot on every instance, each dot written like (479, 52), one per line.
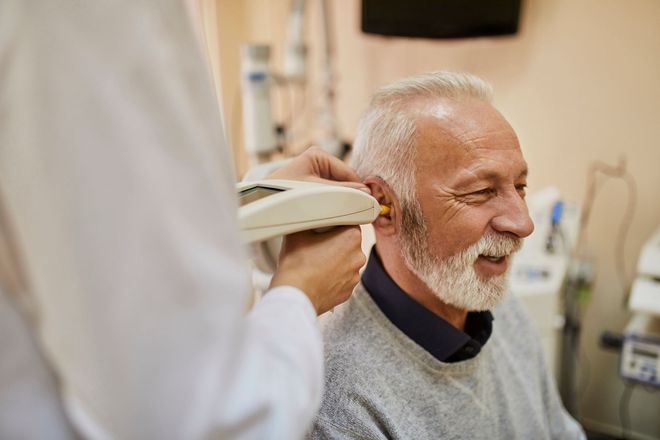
(497, 245)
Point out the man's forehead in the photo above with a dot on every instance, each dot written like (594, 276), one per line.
(459, 134)
(503, 167)
(461, 119)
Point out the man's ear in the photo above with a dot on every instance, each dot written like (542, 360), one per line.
(386, 224)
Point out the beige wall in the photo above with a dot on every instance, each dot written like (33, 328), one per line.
(580, 82)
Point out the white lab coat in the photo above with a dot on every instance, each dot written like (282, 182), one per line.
(117, 186)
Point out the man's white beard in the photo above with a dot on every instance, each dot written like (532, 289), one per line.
(454, 279)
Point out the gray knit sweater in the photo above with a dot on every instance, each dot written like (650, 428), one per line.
(382, 385)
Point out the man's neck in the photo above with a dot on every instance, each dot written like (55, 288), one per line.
(409, 282)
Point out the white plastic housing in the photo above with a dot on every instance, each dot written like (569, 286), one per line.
(299, 206)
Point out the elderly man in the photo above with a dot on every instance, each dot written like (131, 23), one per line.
(416, 352)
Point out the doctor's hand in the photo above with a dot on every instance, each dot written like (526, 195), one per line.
(315, 165)
(325, 266)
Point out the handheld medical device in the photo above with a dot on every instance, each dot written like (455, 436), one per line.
(270, 208)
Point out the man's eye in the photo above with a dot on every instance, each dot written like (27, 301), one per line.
(522, 189)
(484, 192)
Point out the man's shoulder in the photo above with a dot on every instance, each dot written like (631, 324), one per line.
(349, 333)
(363, 350)
(352, 336)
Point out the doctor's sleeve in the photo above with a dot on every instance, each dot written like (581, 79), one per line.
(118, 184)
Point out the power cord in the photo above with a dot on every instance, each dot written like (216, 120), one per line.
(617, 172)
(624, 408)
(575, 299)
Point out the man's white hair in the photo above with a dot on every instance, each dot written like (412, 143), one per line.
(385, 142)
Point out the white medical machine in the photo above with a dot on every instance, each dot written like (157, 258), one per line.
(645, 294)
(258, 79)
(640, 354)
(271, 208)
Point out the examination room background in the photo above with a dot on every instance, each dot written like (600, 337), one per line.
(579, 82)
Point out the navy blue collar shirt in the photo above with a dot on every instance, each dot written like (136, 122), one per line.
(437, 336)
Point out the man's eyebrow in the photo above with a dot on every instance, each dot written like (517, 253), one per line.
(487, 175)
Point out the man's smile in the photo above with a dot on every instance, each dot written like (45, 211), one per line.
(491, 265)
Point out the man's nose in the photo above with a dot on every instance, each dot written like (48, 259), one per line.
(513, 217)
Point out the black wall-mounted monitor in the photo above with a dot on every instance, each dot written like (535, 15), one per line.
(440, 18)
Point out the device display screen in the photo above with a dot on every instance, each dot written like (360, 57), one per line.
(645, 353)
(256, 193)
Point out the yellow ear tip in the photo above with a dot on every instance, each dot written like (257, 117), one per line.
(384, 210)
